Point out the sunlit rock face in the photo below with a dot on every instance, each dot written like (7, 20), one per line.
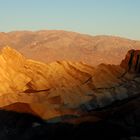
(61, 88)
(12, 72)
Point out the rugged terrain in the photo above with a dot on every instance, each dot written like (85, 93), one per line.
(68, 100)
(64, 89)
(51, 45)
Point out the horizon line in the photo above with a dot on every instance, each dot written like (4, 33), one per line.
(67, 30)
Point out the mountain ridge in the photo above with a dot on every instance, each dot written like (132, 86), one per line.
(45, 30)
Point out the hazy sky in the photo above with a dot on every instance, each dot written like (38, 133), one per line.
(96, 17)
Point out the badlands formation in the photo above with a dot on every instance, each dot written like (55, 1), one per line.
(63, 89)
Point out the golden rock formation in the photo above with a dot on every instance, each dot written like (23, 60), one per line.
(59, 88)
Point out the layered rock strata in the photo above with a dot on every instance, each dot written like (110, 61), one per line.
(63, 89)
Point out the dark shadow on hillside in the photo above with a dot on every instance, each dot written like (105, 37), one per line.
(20, 126)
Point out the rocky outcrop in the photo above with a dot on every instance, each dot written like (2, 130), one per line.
(132, 61)
(61, 89)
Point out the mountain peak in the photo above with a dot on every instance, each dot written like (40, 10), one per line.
(11, 54)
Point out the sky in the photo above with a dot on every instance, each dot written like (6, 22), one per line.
(95, 17)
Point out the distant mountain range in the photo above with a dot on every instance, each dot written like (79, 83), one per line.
(56, 45)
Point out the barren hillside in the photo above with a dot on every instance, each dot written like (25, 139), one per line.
(54, 45)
